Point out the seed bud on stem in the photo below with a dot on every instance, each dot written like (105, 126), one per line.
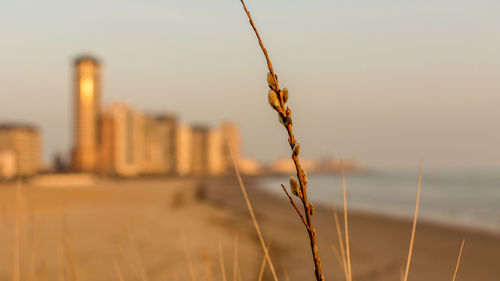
(304, 175)
(272, 97)
(296, 149)
(271, 82)
(285, 94)
(294, 186)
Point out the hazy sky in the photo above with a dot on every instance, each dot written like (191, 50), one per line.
(384, 82)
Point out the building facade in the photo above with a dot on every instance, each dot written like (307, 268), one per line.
(135, 143)
(87, 100)
(200, 136)
(20, 147)
(120, 140)
(183, 151)
(160, 144)
(231, 144)
(208, 152)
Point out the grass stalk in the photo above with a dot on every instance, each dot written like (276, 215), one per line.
(415, 217)
(277, 99)
(346, 225)
(252, 214)
(262, 268)
(339, 259)
(341, 242)
(458, 260)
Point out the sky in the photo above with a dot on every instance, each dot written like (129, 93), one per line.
(387, 83)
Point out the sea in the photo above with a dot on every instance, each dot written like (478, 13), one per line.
(462, 199)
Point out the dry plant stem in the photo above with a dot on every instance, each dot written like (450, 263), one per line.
(412, 239)
(346, 225)
(341, 241)
(252, 214)
(285, 114)
(262, 268)
(295, 206)
(458, 260)
(264, 50)
(339, 257)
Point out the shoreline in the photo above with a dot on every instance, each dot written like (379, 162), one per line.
(452, 215)
(379, 243)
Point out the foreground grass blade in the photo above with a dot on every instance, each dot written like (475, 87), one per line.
(415, 217)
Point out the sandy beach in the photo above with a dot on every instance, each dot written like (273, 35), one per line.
(170, 229)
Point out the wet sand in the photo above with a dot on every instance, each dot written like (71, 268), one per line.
(137, 228)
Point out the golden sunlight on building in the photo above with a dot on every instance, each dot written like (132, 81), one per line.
(135, 143)
(7, 164)
(210, 153)
(87, 96)
(216, 159)
(183, 142)
(203, 150)
(123, 141)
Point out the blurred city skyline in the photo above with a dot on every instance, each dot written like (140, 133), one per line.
(384, 83)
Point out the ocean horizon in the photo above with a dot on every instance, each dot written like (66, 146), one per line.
(462, 199)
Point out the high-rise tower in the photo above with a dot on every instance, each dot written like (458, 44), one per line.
(87, 99)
